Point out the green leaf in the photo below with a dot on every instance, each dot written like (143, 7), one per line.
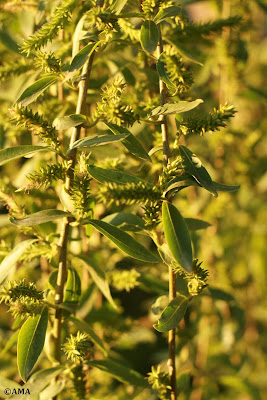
(175, 108)
(149, 36)
(10, 343)
(177, 235)
(196, 224)
(99, 277)
(88, 142)
(219, 294)
(180, 182)
(220, 187)
(172, 314)
(194, 167)
(37, 88)
(118, 6)
(162, 72)
(84, 327)
(8, 41)
(13, 257)
(39, 217)
(125, 221)
(73, 287)
(52, 390)
(124, 241)
(183, 50)
(120, 372)
(164, 13)
(11, 153)
(40, 379)
(69, 121)
(30, 342)
(80, 59)
(131, 143)
(109, 175)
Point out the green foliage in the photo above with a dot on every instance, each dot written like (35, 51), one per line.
(90, 216)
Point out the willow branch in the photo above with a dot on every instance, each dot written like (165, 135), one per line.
(172, 278)
(63, 241)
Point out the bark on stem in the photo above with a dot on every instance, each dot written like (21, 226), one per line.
(172, 278)
(63, 241)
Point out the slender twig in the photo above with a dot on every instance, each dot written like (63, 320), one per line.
(63, 241)
(172, 278)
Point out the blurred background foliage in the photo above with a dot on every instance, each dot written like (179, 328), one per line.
(222, 343)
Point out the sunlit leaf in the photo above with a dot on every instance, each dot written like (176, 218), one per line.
(69, 121)
(39, 217)
(120, 372)
(130, 142)
(80, 59)
(172, 314)
(175, 108)
(109, 175)
(31, 341)
(196, 224)
(194, 167)
(99, 277)
(11, 153)
(10, 260)
(177, 235)
(167, 12)
(220, 187)
(125, 221)
(37, 88)
(124, 241)
(162, 72)
(149, 36)
(89, 142)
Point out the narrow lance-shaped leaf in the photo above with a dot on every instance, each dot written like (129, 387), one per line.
(31, 341)
(89, 142)
(40, 379)
(164, 13)
(180, 182)
(69, 121)
(130, 142)
(177, 235)
(183, 50)
(220, 187)
(118, 6)
(84, 327)
(175, 108)
(73, 287)
(120, 372)
(99, 278)
(109, 175)
(124, 241)
(39, 217)
(12, 153)
(13, 257)
(125, 221)
(194, 167)
(172, 314)
(37, 88)
(162, 72)
(149, 36)
(80, 58)
(196, 224)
